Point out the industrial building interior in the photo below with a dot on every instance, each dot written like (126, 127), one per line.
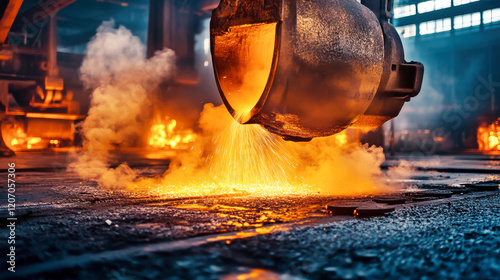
(364, 144)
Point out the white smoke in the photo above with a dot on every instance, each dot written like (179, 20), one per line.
(116, 69)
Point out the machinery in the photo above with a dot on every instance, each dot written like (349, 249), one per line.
(304, 69)
(36, 108)
(39, 87)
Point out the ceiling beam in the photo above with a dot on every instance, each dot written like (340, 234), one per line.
(38, 15)
(8, 17)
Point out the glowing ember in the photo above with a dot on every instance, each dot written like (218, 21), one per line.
(33, 141)
(17, 140)
(25, 143)
(250, 155)
(488, 137)
(341, 138)
(163, 136)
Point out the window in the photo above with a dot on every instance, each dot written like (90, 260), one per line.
(443, 25)
(407, 31)
(442, 4)
(435, 26)
(428, 27)
(424, 7)
(476, 19)
(405, 11)
(467, 20)
(490, 16)
(433, 5)
(463, 2)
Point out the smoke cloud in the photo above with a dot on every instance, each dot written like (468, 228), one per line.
(350, 169)
(116, 69)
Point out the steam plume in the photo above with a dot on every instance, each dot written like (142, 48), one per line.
(116, 68)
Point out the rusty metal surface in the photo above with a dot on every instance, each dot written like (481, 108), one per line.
(8, 16)
(335, 65)
(328, 60)
(39, 13)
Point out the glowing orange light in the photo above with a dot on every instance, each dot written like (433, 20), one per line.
(438, 139)
(33, 141)
(163, 136)
(488, 137)
(248, 159)
(244, 80)
(341, 138)
(22, 142)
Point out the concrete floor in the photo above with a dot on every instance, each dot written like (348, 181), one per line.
(72, 229)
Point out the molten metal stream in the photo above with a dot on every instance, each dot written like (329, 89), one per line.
(250, 155)
(247, 67)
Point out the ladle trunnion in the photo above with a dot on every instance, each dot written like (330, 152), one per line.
(305, 69)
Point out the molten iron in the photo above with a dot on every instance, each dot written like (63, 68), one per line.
(305, 69)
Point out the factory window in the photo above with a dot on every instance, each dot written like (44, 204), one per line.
(490, 16)
(463, 2)
(442, 4)
(467, 20)
(433, 5)
(428, 27)
(427, 6)
(407, 30)
(443, 25)
(435, 26)
(405, 11)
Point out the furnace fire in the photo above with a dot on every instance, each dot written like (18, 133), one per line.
(488, 137)
(164, 134)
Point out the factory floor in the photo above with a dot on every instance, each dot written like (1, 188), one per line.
(68, 228)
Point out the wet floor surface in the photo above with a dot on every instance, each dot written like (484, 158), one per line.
(72, 229)
(446, 241)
